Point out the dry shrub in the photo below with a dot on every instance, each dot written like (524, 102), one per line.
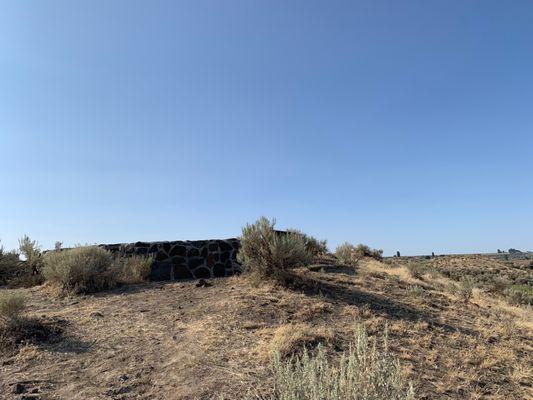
(313, 245)
(291, 339)
(344, 253)
(15, 328)
(362, 373)
(349, 254)
(519, 295)
(362, 250)
(464, 289)
(11, 306)
(417, 269)
(267, 253)
(135, 269)
(86, 269)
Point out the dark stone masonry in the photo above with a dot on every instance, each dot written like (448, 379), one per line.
(191, 259)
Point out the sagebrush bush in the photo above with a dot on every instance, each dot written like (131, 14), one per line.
(266, 252)
(362, 250)
(85, 269)
(135, 269)
(417, 269)
(349, 254)
(11, 306)
(345, 254)
(520, 294)
(362, 373)
(315, 246)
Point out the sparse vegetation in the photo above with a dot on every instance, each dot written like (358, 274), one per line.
(349, 254)
(11, 306)
(85, 269)
(291, 339)
(463, 289)
(313, 245)
(505, 279)
(417, 269)
(267, 253)
(362, 373)
(15, 272)
(16, 328)
(135, 269)
(362, 250)
(520, 294)
(416, 290)
(345, 254)
(31, 251)
(10, 265)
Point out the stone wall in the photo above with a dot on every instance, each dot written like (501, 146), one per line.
(185, 259)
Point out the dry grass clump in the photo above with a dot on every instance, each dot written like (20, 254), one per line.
(135, 269)
(15, 328)
(361, 373)
(86, 269)
(349, 254)
(11, 306)
(266, 253)
(291, 339)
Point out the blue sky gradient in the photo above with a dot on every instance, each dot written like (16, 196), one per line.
(404, 125)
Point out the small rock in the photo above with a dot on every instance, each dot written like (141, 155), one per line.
(19, 388)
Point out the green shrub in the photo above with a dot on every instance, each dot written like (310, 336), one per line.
(11, 306)
(416, 291)
(81, 269)
(31, 251)
(9, 265)
(349, 254)
(520, 294)
(135, 269)
(315, 246)
(265, 252)
(361, 373)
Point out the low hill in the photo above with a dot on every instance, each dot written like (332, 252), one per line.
(455, 338)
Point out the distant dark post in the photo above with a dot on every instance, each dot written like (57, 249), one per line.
(397, 254)
(432, 254)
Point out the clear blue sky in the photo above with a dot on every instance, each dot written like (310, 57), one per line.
(407, 125)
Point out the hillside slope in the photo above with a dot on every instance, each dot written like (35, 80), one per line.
(179, 341)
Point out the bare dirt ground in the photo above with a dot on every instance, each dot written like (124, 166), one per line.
(179, 341)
